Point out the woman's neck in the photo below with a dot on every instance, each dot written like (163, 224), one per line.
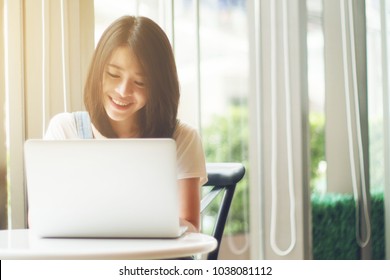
(125, 129)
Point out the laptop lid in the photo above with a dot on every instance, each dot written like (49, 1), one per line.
(102, 188)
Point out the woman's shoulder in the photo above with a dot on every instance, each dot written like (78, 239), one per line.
(61, 126)
(190, 154)
(186, 135)
(184, 129)
(64, 117)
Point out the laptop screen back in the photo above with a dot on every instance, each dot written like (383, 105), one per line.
(102, 188)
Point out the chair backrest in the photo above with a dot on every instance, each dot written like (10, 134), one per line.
(221, 177)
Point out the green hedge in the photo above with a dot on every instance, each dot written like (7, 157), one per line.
(378, 225)
(333, 220)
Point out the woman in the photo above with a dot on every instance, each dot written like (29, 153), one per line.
(132, 90)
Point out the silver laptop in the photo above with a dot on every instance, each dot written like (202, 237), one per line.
(102, 188)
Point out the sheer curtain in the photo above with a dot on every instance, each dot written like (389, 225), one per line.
(48, 44)
(3, 166)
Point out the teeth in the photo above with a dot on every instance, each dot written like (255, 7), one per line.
(117, 102)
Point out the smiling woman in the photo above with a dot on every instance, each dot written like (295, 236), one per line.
(132, 90)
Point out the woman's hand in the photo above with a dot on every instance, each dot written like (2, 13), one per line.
(190, 227)
(189, 191)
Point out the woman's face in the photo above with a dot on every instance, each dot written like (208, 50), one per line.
(124, 88)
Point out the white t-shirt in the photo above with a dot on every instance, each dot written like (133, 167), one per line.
(190, 154)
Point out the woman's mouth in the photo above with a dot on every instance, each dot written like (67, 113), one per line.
(120, 103)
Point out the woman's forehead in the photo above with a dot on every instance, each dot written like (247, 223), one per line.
(123, 58)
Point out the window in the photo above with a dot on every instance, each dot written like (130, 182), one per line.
(224, 92)
(375, 96)
(330, 150)
(316, 88)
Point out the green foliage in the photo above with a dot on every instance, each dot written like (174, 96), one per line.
(225, 139)
(334, 229)
(317, 146)
(334, 214)
(377, 225)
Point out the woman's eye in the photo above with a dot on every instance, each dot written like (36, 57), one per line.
(140, 84)
(113, 75)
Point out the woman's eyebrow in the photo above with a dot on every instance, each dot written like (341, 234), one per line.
(115, 66)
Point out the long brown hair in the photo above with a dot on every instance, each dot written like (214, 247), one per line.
(154, 52)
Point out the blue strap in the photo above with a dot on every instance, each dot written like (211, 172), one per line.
(83, 124)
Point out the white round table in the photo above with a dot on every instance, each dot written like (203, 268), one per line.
(21, 244)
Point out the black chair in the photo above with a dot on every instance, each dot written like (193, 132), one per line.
(221, 177)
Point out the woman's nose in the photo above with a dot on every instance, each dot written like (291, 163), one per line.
(124, 89)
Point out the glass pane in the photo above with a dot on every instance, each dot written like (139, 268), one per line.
(224, 88)
(107, 11)
(186, 60)
(374, 83)
(339, 208)
(316, 83)
(375, 80)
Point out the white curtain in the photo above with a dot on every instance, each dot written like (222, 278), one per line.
(3, 188)
(48, 44)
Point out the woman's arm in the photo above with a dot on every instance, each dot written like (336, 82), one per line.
(189, 194)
